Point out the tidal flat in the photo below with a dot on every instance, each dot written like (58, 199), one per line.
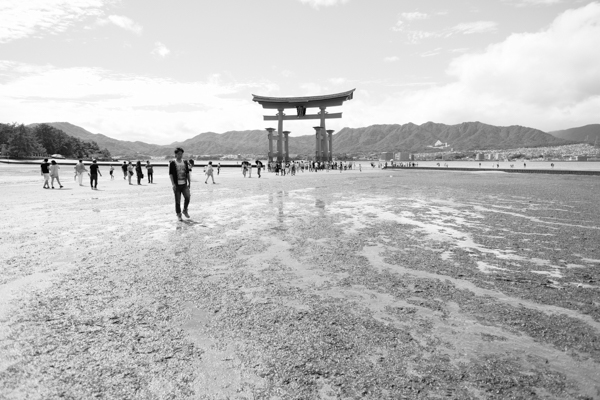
(356, 285)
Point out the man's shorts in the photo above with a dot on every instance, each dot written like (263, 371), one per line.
(46, 177)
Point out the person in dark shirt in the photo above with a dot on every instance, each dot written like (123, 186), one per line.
(181, 180)
(94, 172)
(150, 172)
(259, 166)
(138, 172)
(124, 168)
(45, 166)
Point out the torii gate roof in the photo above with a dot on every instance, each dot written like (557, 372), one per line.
(328, 100)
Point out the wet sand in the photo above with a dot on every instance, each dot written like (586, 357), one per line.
(376, 285)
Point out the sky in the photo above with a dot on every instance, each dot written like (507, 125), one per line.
(160, 72)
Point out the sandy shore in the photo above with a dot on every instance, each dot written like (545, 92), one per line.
(375, 285)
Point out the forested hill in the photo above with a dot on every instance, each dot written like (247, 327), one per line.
(375, 138)
(465, 136)
(115, 146)
(584, 134)
(41, 139)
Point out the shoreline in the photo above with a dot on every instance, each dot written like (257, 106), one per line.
(508, 170)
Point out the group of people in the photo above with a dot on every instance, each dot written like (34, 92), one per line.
(180, 173)
(50, 172)
(129, 170)
(247, 168)
(291, 167)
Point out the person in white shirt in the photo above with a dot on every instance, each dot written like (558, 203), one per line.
(54, 173)
(80, 170)
(209, 172)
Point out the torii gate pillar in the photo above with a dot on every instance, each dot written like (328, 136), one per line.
(270, 136)
(280, 135)
(318, 143)
(330, 139)
(286, 147)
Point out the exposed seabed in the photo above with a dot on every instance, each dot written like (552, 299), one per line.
(376, 284)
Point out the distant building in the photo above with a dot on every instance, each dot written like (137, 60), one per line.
(479, 157)
(582, 158)
(387, 156)
(404, 156)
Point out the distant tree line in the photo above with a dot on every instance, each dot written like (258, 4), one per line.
(25, 141)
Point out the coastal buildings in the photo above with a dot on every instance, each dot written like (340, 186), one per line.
(387, 156)
(404, 156)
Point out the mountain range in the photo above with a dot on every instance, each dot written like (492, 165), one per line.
(585, 134)
(375, 138)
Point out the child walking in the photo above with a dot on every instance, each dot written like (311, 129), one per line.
(209, 172)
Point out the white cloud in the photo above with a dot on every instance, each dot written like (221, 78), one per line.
(23, 18)
(412, 16)
(323, 3)
(431, 52)
(525, 3)
(122, 22)
(399, 27)
(465, 28)
(391, 59)
(313, 89)
(547, 80)
(337, 81)
(160, 50)
(128, 107)
(474, 27)
(408, 17)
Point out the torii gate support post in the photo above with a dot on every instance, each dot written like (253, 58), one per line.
(330, 137)
(317, 143)
(323, 135)
(286, 148)
(324, 145)
(270, 135)
(280, 135)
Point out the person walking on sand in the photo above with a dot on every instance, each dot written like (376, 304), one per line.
(259, 166)
(80, 170)
(209, 172)
(181, 180)
(54, 173)
(94, 172)
(218, 168)
(130, 170)
(138, 172)
(150, 172)
(244, 168)
(124, 168)
(45, 172)
(111, 172)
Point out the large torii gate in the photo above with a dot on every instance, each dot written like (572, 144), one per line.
(324, 138)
